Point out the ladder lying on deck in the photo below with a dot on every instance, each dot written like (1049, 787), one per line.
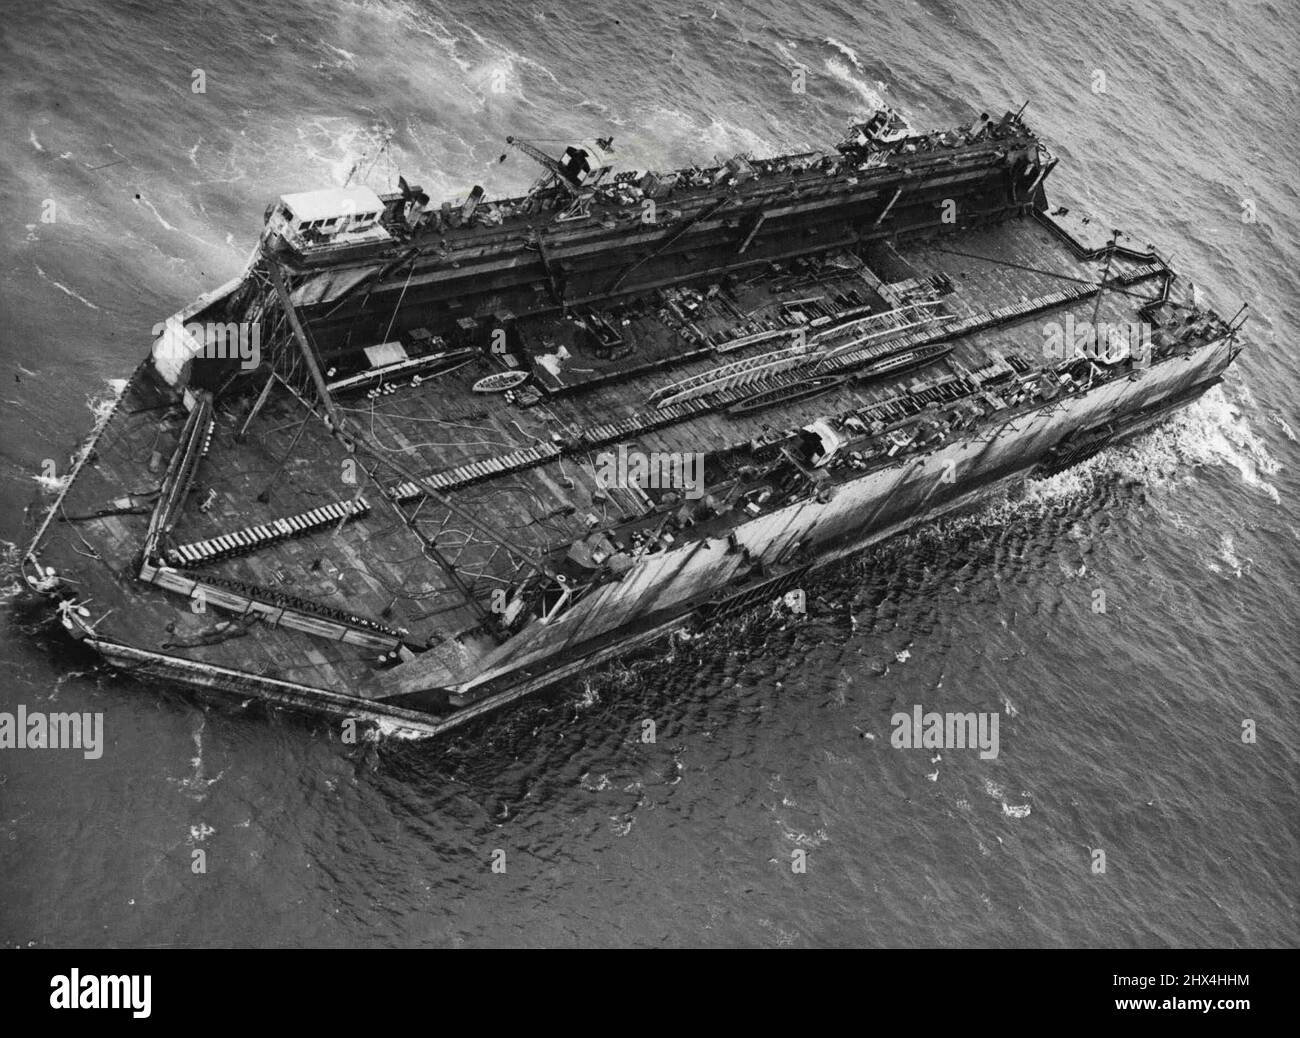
(195, 439)
(874, 334)
(253, 538)
(729, 376)
(874, 328)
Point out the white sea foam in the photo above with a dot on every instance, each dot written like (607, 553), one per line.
(51, 484)
(590, 695)
(1212, 431)
(598, 785)
(700, 138)
(335, 147)
(157, 215)
(196, 784)
(12, 585)
(65, 289)
(1228, 555)
(101, 404)
(872, 96)
(803, 839)
(347, 55)
(513, 57)
(846, 50)
(101, 407)
(390, 729)
(998, 794)
(498, 78)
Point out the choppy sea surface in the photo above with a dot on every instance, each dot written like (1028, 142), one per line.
(1119, 731)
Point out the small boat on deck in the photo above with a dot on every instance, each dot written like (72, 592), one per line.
(500, 382)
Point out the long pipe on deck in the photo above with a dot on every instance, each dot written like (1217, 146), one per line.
(304, 344)
(257, 407)
(1101, 285)
(674, 234)
(179, 473)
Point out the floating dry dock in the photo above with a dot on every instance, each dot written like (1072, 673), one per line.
(370, 476)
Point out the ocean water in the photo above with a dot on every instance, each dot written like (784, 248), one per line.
(1119, 731)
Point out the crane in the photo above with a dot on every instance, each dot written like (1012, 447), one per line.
(558, 173)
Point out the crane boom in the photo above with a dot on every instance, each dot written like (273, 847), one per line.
(546, 161)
